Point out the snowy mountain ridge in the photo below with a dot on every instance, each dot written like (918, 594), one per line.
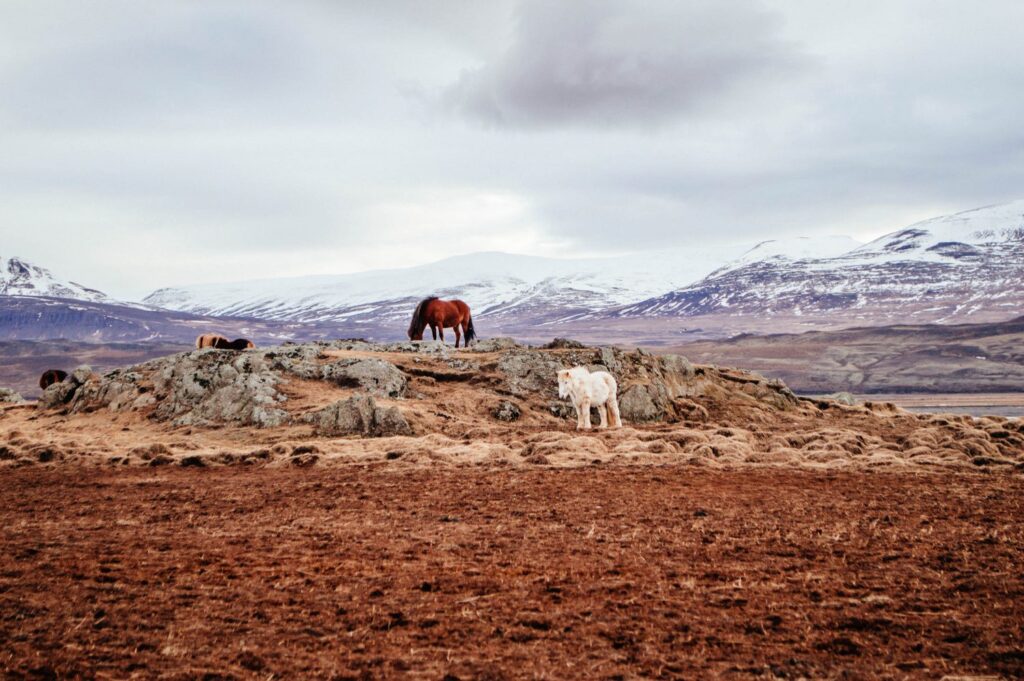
(19, 277)
(963, 267)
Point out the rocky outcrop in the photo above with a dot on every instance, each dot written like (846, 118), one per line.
(494, 344)
(359, 415)
(10, 396)
(205, 387)
(375, 376)
(193, 388)
(61, 393)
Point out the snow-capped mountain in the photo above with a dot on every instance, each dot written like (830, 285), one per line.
(21, 278)
(963, 267)
(495, 284)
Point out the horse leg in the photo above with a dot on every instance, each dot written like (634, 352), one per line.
(457, 335)
(602, 410)
(585, 413)
(613, 407)
(440, 332)
(433, 331)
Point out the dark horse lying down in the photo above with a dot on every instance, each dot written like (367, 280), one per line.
(441, 314)
(212, 340)
(51, 376)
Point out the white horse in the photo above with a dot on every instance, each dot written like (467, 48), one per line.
(587, 389)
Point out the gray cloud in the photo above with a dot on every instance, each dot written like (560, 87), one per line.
(151, 144)
(605, 62)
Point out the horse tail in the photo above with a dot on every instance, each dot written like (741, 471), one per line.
(470, 331)
(419, 321)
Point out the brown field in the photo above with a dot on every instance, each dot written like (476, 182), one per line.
(739, 531)
(391, 570)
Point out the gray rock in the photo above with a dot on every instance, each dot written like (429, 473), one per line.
(844, 398)
(376, 376)
(678, 364)
(506, 411)
(640, 403)
(494, 344)
(215, 387)
(564, 344)
(359, 415)
(80, 375)
(389, 421)
(8, 395)
(529, 371)
(57, 395)
(609, 360)
(562, 410)
(192, 388)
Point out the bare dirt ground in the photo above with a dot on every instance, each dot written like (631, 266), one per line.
(610, 572)
(152, 529)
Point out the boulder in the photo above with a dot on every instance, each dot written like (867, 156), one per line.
(57, 395)
(564, 344)
(494, 344)
(359, 415)
(844, 398)
(506, 411)
(376, 376)
(529, 371)
(8, 395)
(639, 403)
(207, 386)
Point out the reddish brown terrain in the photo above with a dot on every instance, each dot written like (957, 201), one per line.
(600, 572)
(347, 510)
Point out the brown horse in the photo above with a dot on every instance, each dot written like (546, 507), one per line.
(441, 314)
(212, 340)
(209, 340)
(51, 376)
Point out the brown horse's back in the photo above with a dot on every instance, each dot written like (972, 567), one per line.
(210, 340)
(51, 376)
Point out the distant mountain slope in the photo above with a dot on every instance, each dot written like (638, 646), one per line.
(19, 277)
(525, 288)
(926, 358)
(42, 318)
(968, 266)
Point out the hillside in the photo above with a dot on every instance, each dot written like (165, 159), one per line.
(497, 402)
(515, 289)
(345, 508)
(928, 358)
(963, 267)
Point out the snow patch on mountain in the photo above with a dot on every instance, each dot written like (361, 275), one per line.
(493, 284)
(959, 267)
(18, 277)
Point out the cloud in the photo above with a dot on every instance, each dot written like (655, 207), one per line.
(170, 143)
(609, 63)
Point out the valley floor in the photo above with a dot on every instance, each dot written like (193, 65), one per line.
(602, 571)
(975, 404)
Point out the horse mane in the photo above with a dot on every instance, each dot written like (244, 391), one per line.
(419, 321)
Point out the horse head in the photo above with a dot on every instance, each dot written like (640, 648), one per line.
(419, 319)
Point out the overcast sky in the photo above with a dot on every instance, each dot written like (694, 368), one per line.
(146, 144)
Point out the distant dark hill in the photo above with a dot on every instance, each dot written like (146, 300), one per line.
(44, 318)
(901, 358)
(23, 361)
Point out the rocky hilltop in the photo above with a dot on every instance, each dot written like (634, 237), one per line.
(353, 401)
